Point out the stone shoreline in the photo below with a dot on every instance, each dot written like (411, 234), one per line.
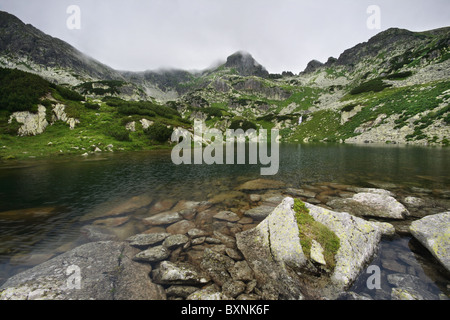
(196, 250)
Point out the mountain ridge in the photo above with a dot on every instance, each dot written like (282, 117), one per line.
(393, 88)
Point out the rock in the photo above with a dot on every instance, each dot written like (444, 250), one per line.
(216, 265)
(259, 213)
(386, 229)
(317, 253)
(382, 192)
(434, 233)
(274, 253)
(170, 273)
(180, 291)
(414, 202)
(228, 241)
(227, 198)
(209, 293)
(227, 216)
(350, 295)
(30, 213)
(371, 204)
(255, 197)
(154, 254)
(241, 271)
(180, 227)
(409, 287)
(197, 241)
(186, 205)
(106, 269)
(97, 233)
(115, 209)
(233, 288)
(145, 240)
(175, 241)
(245, 220)
(260, 184)
(300, 193)
(233, 254)
(359, 240)
(32, 123)
(161, 206)
(162, 219)
(196, 233)
(111, 222)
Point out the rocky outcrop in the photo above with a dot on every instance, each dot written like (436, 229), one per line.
(60, 114)
(274, 252)
(359, 240)
(245, 65)
(106, 271)
(32, 123)
(312, 66)
(434, 233)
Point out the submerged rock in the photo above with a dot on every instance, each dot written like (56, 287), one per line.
(260, 184)
(259, 213)
(106, 271)
(434, 233)
(154, 254)
(145, 240)
(371, 204)
(178, 273)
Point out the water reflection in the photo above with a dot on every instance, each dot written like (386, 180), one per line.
(75, 187)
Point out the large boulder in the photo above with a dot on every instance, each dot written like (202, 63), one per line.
(372, 204)
(434, 233)
(274, 252)
(359, 240)
(97, 270)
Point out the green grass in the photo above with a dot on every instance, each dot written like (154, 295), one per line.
(323, 124)
(309, 230)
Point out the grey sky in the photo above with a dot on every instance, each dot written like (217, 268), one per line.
(139, 35)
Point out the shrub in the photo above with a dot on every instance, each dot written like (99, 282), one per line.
(399, 75)
(348, 107)
(118, 132)
(69, 94)
(158, 132)
(242, 124)
(21, 91)
(374, 85)
(92, 106)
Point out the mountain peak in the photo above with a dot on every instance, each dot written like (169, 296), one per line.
(246, 65)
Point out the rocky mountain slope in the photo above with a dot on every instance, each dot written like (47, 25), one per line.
(394, 88)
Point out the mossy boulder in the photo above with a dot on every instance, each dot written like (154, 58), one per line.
(434, 233)
(277, 250)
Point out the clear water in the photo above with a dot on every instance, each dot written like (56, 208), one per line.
(75, 186)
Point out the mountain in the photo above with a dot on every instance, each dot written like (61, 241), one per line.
(23, 44)
(246, 65)
(394, 88)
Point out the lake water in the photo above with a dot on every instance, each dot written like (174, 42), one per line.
(71, 188)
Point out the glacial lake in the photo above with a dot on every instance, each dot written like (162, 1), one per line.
(67, 189)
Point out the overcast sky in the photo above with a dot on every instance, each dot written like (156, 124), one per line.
(139, 35)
